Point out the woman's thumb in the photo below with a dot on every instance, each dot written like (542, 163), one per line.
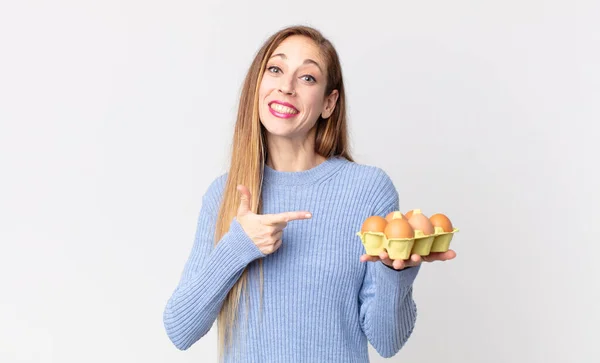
(245, 200)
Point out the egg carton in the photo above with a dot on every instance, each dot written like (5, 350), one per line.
(403, 248)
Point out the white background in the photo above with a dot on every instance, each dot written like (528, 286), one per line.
(116, 115)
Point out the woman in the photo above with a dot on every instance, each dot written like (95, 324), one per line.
(276, 260)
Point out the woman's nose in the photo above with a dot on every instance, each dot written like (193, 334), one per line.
(287, 91)
(287, 87)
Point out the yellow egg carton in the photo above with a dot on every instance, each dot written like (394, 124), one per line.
(403, 248)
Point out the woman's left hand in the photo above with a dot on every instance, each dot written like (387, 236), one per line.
(414, 260)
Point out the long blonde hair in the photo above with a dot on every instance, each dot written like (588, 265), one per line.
(249, 154)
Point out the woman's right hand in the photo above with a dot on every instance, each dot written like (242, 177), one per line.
(265, 230)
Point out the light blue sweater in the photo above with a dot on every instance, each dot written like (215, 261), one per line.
(321, 304)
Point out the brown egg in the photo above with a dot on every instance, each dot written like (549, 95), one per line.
(399, 228)
(394, 215)
(408, 214)
(374, 224)
(441, 220)
(420, 221)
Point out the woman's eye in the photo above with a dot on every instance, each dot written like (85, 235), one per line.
(309, 78)
(274, 69)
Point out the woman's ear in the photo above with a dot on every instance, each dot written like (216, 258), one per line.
(329, 104)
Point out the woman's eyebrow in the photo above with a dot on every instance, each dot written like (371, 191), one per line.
(306, 61)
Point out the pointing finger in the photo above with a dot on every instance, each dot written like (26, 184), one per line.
(271, 219)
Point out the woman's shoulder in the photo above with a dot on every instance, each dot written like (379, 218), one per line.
(214, 192)
(217, 185)
(358, 174)
(370, 174)
(374, 185)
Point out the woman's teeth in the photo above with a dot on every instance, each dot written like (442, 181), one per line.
(283, 109)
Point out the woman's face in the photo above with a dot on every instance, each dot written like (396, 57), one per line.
(292, 90)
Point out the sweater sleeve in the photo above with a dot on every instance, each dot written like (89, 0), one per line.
(208, 275)
(387, 309)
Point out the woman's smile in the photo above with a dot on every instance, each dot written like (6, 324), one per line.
(282, 109)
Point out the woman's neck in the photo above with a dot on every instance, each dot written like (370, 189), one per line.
(292, 155)
(293, 162)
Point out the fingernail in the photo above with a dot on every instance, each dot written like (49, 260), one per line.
(308, 215)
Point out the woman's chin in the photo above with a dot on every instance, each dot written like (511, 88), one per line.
(283, 132)
(285, 129)
(278, 133)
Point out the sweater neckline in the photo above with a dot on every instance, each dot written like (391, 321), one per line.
(291, 178)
